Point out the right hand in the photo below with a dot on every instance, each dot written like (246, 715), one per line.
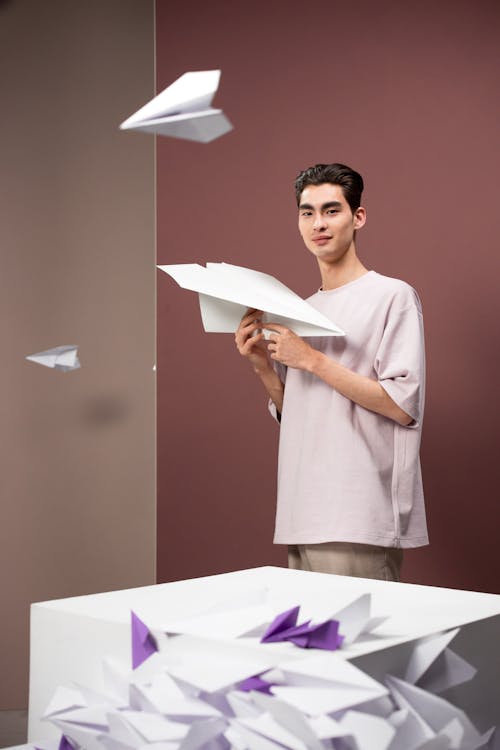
(252, 345)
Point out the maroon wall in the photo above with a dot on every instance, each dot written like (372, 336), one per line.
(405, 93)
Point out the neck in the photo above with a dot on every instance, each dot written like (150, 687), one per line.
(342, 271)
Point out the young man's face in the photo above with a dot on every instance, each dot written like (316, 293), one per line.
(326, 221)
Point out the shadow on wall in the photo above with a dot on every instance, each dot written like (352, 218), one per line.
(104, 411)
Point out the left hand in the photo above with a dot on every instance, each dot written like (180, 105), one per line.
(286, 347)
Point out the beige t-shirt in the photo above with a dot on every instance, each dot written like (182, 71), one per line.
(346, 473)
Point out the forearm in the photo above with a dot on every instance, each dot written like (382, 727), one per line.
(364, 391)
(273, 385)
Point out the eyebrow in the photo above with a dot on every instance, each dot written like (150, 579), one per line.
(330, 204)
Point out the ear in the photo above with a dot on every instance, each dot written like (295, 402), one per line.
(359, 217)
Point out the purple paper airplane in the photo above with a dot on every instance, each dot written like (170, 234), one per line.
(284, 627)
(281, 624)
(65, 744)
(325, 635)
(143, 644)
(255, 683)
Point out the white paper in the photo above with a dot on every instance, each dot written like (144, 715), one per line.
(326, 668)
(64, 699)
(254, 740)
(154, 727)
(242, 704)
(314, 701)
(447, 671)
(83, 736)
(325, 727)
(324, 683)
(218, 670)
(63, 358)
(226, 292)
(410, 732)
(370, 732)
(201, 733)
(94, 717)
(426, 650)
(121, 730)
(224, 624)
(354, 618)
(433, 712)
(158, 694)
(183, 110)
(289, 717)
(267, 726)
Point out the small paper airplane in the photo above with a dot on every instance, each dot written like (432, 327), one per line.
(62, 358)
(226, 292)
(143, 642)
(183, 110)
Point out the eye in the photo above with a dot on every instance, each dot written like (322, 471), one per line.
(332, 211)
(305, 213)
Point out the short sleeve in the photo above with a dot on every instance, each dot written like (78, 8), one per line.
(400, 359)
(281, 370)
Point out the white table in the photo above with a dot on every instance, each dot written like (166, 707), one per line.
(70, 637)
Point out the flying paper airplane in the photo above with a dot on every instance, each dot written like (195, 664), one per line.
(62, 358)
(183, 110)
(226, 292)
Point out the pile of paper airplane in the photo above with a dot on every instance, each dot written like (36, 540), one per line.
(183, 110)
(193, 692)
(226, 292)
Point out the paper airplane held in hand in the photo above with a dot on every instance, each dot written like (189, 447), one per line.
(226, 292)
(183, 110)
(62, 358)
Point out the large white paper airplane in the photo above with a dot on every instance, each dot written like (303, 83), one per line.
(226, 292)
(62, 358)
(183, 110)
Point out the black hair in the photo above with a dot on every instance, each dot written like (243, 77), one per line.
(350, 181)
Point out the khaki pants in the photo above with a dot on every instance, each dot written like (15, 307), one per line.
(347, 559)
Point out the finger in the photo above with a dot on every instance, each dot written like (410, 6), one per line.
(244, 332)
(247, 332)
(248, 345)
(251, 313)
(276, 327)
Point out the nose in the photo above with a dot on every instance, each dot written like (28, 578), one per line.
(319, 223)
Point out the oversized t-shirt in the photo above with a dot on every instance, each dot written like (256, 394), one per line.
(346, 473)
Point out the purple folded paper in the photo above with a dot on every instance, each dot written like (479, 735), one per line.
(281, 623)
(325, 635)
(255, 683)
(65, 744)
(143, 643)
(284, 627)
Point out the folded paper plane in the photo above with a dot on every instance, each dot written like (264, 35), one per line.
(226, 292)
(324, 635)
(435, 667)
(255, 683)
(437, 717)
(183, 110)
(63, 358)
(143, 642)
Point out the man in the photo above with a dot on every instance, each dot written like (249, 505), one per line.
(350, 407)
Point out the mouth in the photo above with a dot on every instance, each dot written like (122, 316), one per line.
(321, 240)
